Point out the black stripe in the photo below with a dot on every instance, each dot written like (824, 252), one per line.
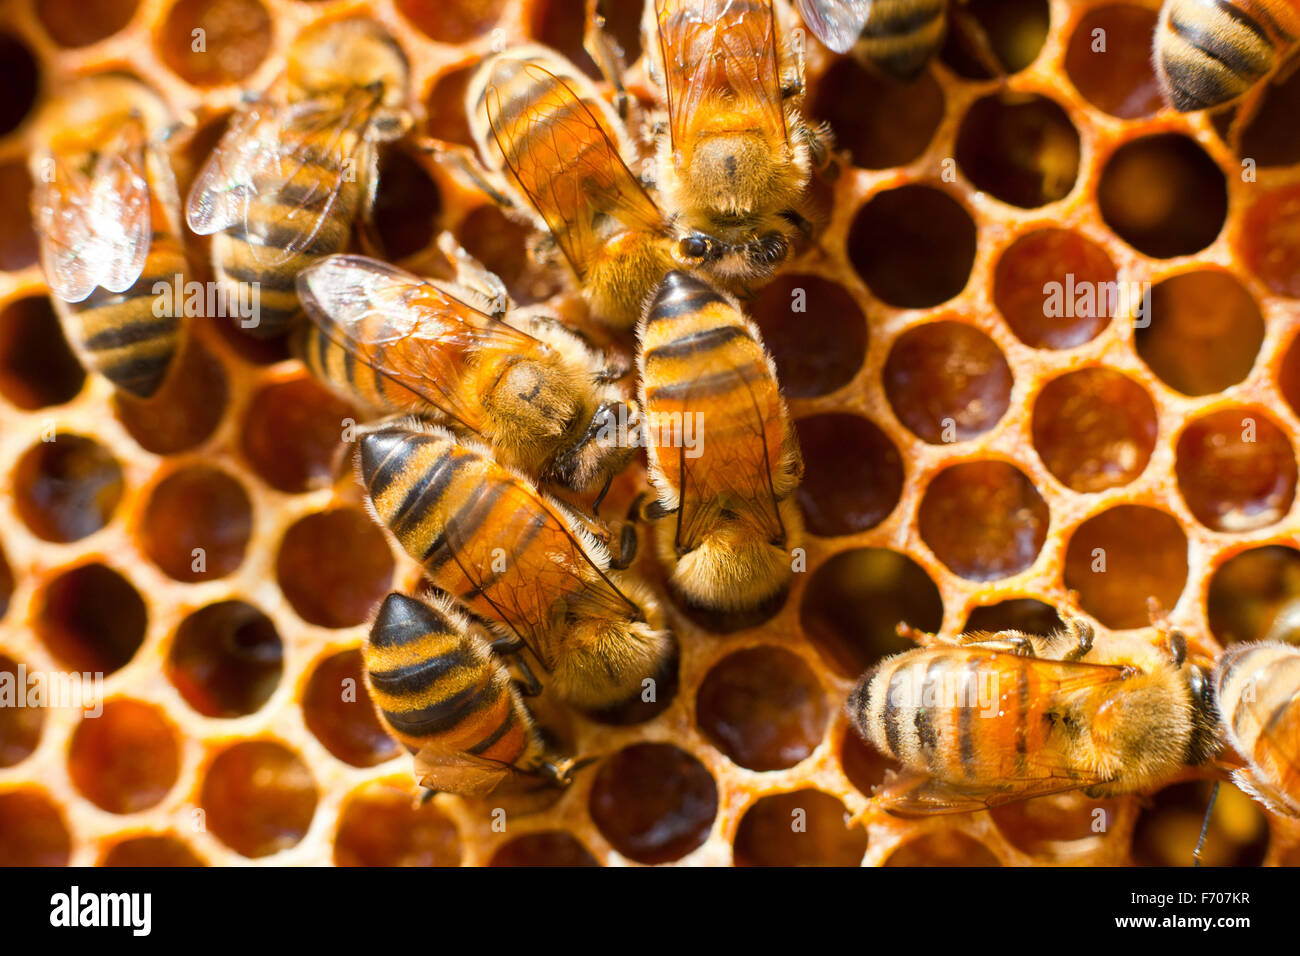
(129, 333)
(275, 278)
(708, 386)
(1234, 12)
(140, 376)
(440, 717)
(419, 676)
(698, 342)
(427, 490)
(671, 308)
(891, 713)
(487, 742)
(902, 19)
(1205, 43)
(467, 521)
(400, 446)
(521, 545)
(926, 733)
(965, 723)
(1022, 717)
(395, 629)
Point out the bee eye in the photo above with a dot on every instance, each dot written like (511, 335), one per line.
(694, 247)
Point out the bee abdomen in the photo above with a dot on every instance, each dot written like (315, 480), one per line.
(1212, 53)
(900, 36)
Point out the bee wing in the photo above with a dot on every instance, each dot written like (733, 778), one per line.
(95, 229)
(573, 174)
(408, 329)
(915, 795)
(715, 48)
(837, 23)
(455, 771)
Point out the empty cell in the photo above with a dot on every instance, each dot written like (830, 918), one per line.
(544, 848)
(1269, 239)
(214, 42)
(196, 524)
(32, 830)
(898, 127)
(17, 237)
(91, 618)
(382, 824)
(452, 21)
(1271, 138)
(292, 431)
(653, 802)
(1170, 822)
(37, 367)
(336, 707)
(497, 241)
(1120, 558)
(21, 717)
(225, 659)
(185, 410)
(74, 23)
(1108, 59)
(1027, 615)
(407, 204)
(151, 850)
(1040, 827)
(1020, 148)
(67, 488)
(803, 828)
(943, 848)
(126, 759)
(258, 797)
(1236, 469)
(987, 39)
(334, 567)
(853, 475)
(1255, 596)
(864, 765)
(815, 331)
(20, 79)
(1055, 288)
(445, 117)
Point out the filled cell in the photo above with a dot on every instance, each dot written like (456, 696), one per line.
(544, 848)
(1236, 469)
(653, 802)
(1055, 288)
(1269, 242)
(815, 331)
(853, 475)
(334, 567)
(32, 830)
(152, 850)
(382, 824)
(452, 21)
(1255, 596)
(197, 523)
(292, 431)
(23, 717)
(125, 759)
(91, 619)
(803, 828)
(1112, 69)
(67, 488)
(214, 42)
(943, 848)
(258, 797)
(74, 23)
(225, 659)
(1120, 558)
(336, 707)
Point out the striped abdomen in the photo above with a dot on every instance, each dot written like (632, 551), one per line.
(434, 681)
(1258, 692)
(358, 381)
(900, 36)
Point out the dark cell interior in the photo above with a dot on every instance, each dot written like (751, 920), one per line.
(336, 708)
(802, 828)
(67, 488)
(1113, 70)
(334, 567)
(197, 523)
(91, 618)
(853, 475)
(125, 759)
(1119, 558)
(258, 797)
(225, 659)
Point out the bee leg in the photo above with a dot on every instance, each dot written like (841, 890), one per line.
(466, 167)
(560, 772)
(908, 632)
(1081, 631)
(607, 54)
(1177, 647)
(604, 490)
(528, 684)
(975, 39)
(1205, 826)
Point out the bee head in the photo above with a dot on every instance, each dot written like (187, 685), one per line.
(606, 445)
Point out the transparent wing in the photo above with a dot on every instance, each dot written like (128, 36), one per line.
(837, 23)
(914, 795)
(455, 771)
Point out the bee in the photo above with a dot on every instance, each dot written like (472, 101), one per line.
(519, 559)
(443, 694)
(996, 718)
(556, 147)
(1210, 53)
(531, 389)
(723, 457)
(1257, 688)
(737, 156)
(299, 164)
(107, 213)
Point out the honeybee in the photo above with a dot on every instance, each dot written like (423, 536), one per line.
(442, 693)
(1211, 52)
(557, 148)
(736, 160)
(723, 457)
(534, 391)
(995, 718)
(298, 165)
(519, 559)
(1257, 688)
(106, 210)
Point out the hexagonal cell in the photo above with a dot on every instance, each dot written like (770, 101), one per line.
(336, 707)
(1026, 615)
(853, 475)
(1113, 70)
(1170, 824)
(74, 23)
(1049, 286)
(865, 766)
(17, 238)
(1236, 469)
(258, 797)
(67, 488)
(947, 381)
(1268, 241)
(185, 410)
(1253, 596)
(21, 716)
(225, 659)
(543, 848)
(1119, 558)
(126, 759)
(855, 601)
(32, 829)
(1020, 148)
(196, 524)
(292, 432)
(1094, 429)
(445, 117)
(334, 567)
(236, 35)
(407, 204)
(802, 828)
(37, 368)
(983, 519)
(20, 79)
(989, 38)
(653, 802)
(913, 246)
(1204, 332)
(1163, 195)
(91, 619)
(815, 331)
(1040, 827)
(1270, 137)
(452, 21)
(763, 707)
(382, 825)
(943, 848)
(497, 241)
(151, 850)
(898, 127)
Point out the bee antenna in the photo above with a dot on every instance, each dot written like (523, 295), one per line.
(1205, 825)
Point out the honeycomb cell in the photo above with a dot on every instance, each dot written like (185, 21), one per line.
(334, 567)
(1253, 596)
(1236, 469)
(21, 715)
(258, 797)
(1270, 138)
(1204, 332)
(20, 79)
(496, 241)
(855, 601)
(233, 38)
(544, 848)
(944, 848)
(67, 488)
(407, 204)
(1039, 827)
(853, 475)
(989, 38)
(151, 850)
(898, 127)
(37, 368)
(1027, 615)
(815, 331)
(1269, 240)
(1170, 824)
(1048, 285)
(864, 765)
(445, 117)
(17, 238)
(560, 23)
(1119, 558)
(947, 381)
(292, 431)
(763, 707)
(184, 411)
(913, 246)
(91, 619)
(337, 709)
(1163, 195)
(983, 519)
(1020, 148)
(802, 828)
(1094, 429)
(653, 802)
(126, 759)
(1113, 70)
(382, 825)
(196, 524)
(452, 21)
(225, 659)
(74, 23)
(32, 829)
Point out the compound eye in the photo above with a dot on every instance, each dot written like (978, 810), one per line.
(694, 247)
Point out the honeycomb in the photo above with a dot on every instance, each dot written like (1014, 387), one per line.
(970, 460)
